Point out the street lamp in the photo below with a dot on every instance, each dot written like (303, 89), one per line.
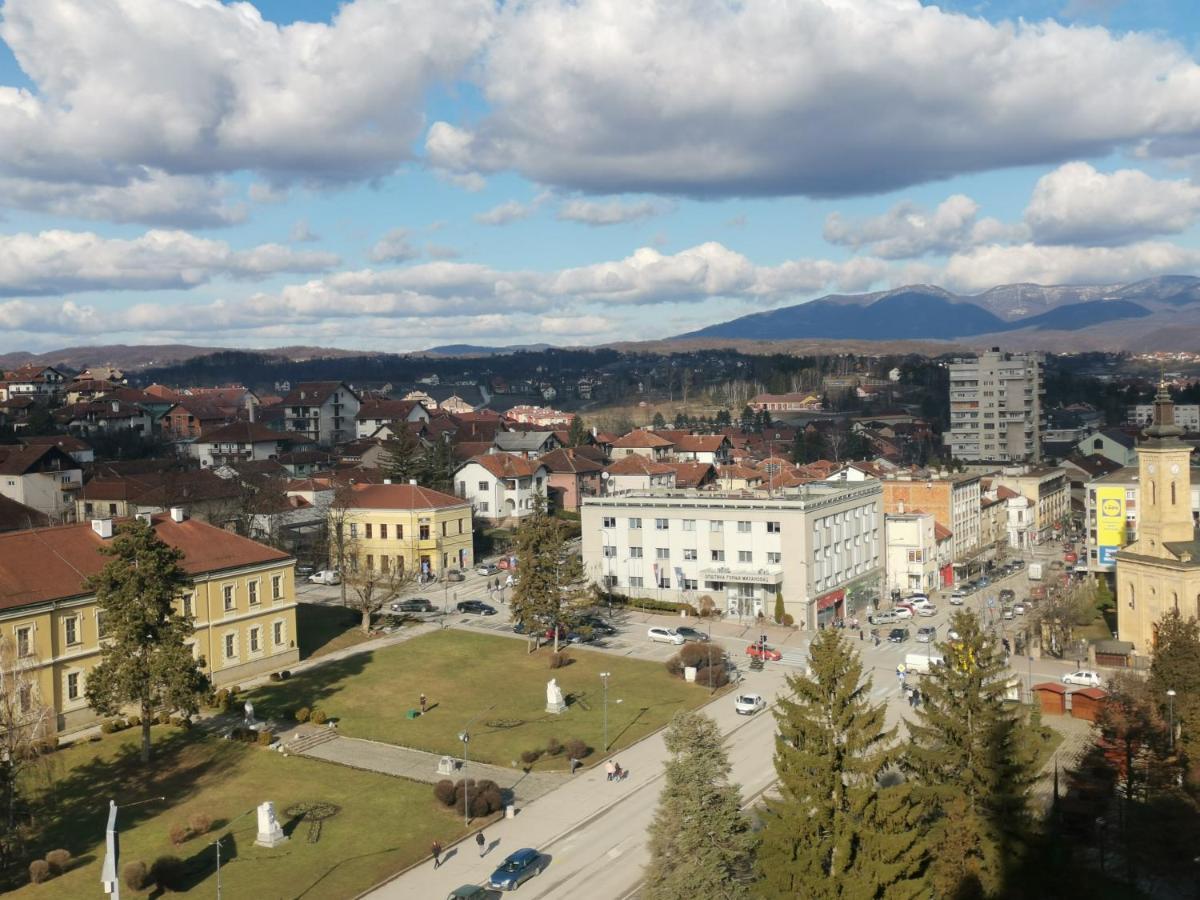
(1029, 687)
(604, 676)
(466, 739)
(1171, 716)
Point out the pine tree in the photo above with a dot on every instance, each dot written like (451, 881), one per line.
(839, 827)
(700, 842)
(1175, 666)
(405, 457)
(577, 435)
(550, 579)
(799, 450)
(436, 469)
(659, 421)
(144, 660)
(968, 743)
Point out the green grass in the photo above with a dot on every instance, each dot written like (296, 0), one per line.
(325, 629)
(1096, 630)
(1051, 739)
(491, 683)
(384, 823)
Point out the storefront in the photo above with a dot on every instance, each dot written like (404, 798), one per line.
(830, 607)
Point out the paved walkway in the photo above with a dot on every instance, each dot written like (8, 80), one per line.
(1077, 737)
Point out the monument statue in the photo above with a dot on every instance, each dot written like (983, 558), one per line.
(269, 832)
(249, 710)
(554, 697)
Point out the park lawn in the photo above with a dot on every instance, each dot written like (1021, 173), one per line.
(384, 823)
(326, 629)
(490, 684)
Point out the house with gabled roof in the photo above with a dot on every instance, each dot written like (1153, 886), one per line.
(322, 411)
(642, 442)
(40, 476)
(635, 472)
(239, 442)
(573, 476)
(375, 413)
(501, 486)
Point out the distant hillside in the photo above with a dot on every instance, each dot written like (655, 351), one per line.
(134, 358)
(475, 350)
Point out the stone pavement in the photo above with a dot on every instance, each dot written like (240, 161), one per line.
(1077, 736)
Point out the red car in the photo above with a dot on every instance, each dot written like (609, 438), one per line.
(760, 651)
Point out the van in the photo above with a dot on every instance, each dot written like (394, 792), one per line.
(922, 663)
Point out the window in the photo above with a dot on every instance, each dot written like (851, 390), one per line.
(25, 641)
(716, 525)
(773, 528)
(101, 628)
(635, 552)
(276, 587)
(610, 552)
(610, 581)
(228, 594)
(608, 522)
(353, 530)
(774, 558)
(689, 555)
(483, 506)
(635, 523)
(635, 581)
(382, 531)
(424, 532)
(689, 524)
(72, 685)
(26, 697)
(255, 640)
(745, 556)
(383, 564)
(689, 584)
(230, 646)
(71, 627)
(252, 593)
(187, 606)
(370, 562)
(367, 529)
(445, 526)
(483, 486)
(743, 527)
(662, 524)
(662, 553)
(718, 556)
(277, 633)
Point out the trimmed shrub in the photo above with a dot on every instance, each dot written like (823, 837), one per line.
(184, 722)
(179, 834)
(109, 726)
(168, 872)
(266, 738)
(529, 757)
(319, 717)
(136, 875)
(47, 745)
(275, 676)
(221, 699)
(554, 747)
(134, 721)
(39, 871)
(163, 718)
(199, 823)
(444, 792)
(577, 749)
(59, 860)
(302, 714)
(789, 620)
(558, 660)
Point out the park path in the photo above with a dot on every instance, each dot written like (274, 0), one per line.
(1077, 736)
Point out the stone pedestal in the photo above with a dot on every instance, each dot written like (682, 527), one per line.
(555, 703)
(447, 765)
(269, 832)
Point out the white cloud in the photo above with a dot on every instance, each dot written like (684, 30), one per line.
(1076, 204)
(394, 246)
(612, 212)
(442, 251)
(816, 97)
(302, 233)
(907, 231)
(53, 262)
(506, 213)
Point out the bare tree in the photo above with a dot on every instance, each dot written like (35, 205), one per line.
(24, 722)
(372, 588)
(340, 543)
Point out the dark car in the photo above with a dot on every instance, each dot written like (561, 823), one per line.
(476, 608)
(413, 605)
(1007, 595)
(470, 892)
(516, 869)
(455, 575)
(691, 634)
(599, 626)
(898, 635)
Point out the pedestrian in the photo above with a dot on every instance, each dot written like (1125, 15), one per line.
(861, 637)
(575, 764)
(480, 840)
(436, 849)
(610, 770)
(424, 705)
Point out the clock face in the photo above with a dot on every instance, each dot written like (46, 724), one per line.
(1174, 468)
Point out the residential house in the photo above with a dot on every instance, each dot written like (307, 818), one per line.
(740, 478)
(104, 417)
(637, 473)
(501, 486)
(530, 444)
(40, 476)
(1115, 444)
(204, 495)
(238, 442)
(189, 418)
(642, 443)
(15, 412)
(241, 602)
(693, 475)
(79, 450)
(792, 402)
(322, 411)
(573, 476)
(713, 449)
(374, 413)
(405, 528)
(42, 383)
(541, 416)
(911, 552)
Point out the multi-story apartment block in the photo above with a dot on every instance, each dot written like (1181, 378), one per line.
(406, 528)
(242, 603)
(1187, 416)
(41, 476)
(911, 563)
(323, 411)
(953, 499)
(820, 548)
(996, 407)
(1048, 492)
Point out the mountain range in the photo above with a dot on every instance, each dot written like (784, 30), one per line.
(1156, 313)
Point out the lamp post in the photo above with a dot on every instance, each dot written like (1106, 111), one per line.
(1171, 717)
(465, 737)
(1029, 687)
(604, 676)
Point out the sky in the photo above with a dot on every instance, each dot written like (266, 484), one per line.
(394, 175)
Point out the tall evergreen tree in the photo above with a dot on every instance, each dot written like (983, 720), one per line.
(1175, 666)
(436, 470)
(799, 448)
(405, 457)
(577, 434)
(144, 660)
(659, 421)
(700, 842)
(550, 578)
(968, 745)
(841, 826)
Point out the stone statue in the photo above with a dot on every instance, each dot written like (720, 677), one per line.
(554, 697)
(249, 709)
(269, 832)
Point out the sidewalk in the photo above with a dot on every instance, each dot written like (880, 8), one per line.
(1077, 736)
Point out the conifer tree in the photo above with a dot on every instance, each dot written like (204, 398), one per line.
(436, 469)
(659, 421)
(967, 744)
(405, 457)
(549, 578)
(577, 434)
(1175, 666)
(144, 660)
(700, 842)
(842, 825)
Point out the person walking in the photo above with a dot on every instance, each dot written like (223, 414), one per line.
(861, 637)
(436, 849)
(609, 770)
(575, 764)
(480, 840)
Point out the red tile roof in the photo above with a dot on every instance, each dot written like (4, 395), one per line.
(241, 433)
(14, 516)
(400, 496)
(507, 465)
(385, 409)
(313, 393)
(641, 438)
(691, 474)
(17, 459)
(699, 443)
(566, 460)
(638, 465)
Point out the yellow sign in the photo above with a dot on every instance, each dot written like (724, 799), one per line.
(1110, 519)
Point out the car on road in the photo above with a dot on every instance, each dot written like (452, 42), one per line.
(898, 635)
(470, 892)
(598, 626)
(476, 608)
(1006, 612)
(455, 575)
(413, 605)
(1018, 564)
(516, 869)
(325, 576)
(304, 571)
(1084, 677)
(691, 634)
(660, 635)
(927, 609)
(903, 612)
(926, 634)
(1019, 608)
(883, 617)
(958, 597)
(748, 704)
(763, 651)
(487, 569)
(984, 581)
(952, 635)
(1007, 595)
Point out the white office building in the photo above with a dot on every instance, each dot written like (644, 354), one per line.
(996, 407)
(820, 548)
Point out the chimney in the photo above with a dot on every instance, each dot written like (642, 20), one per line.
(178, 514)
(387, 481)
(145, 517)
(413, 482)
(103, 527)
(251, 410)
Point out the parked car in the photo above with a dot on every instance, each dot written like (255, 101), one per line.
(304, 571)
(664, 635)
(469, 892)
(957, 598)
(1019, 609)
(926, 634)
(487, 569)
(898, 635)
(516, 869)
(1084, 677)
(691, 634)
(903, 612)
(952, 635)
(325, 576)
(455, 575)
(413, 605)
(748, 704)
(1006, 612)
(763, 651)
(598, 626)
(984, 581)
(927, 609)
(476, 608)
(883, 617)
(1007, 595)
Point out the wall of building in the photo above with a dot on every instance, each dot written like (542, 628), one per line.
(446, 546)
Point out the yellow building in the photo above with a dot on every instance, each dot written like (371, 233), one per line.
(1159, 571)
(407, 528)
(242, 603)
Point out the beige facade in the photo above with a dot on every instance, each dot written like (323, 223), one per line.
(406, 528)
(996, 407)
(1049, 495)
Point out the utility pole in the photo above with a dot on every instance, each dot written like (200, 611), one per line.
(604, 677)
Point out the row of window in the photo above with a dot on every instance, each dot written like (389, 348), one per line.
(424, 532)
(255, 641)
(690, 555)
(743, 527)
(229, 595)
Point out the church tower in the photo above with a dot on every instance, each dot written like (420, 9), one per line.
(1165, 483)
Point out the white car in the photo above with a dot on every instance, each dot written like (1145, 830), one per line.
(957, 598)
(748, 704)
(665, 636)
(1019, 609)
(903, 612)
(325, 576)
(926, 609)
(1084, 677)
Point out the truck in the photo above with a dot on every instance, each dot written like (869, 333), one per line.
(921, 663)
(1035, 571)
